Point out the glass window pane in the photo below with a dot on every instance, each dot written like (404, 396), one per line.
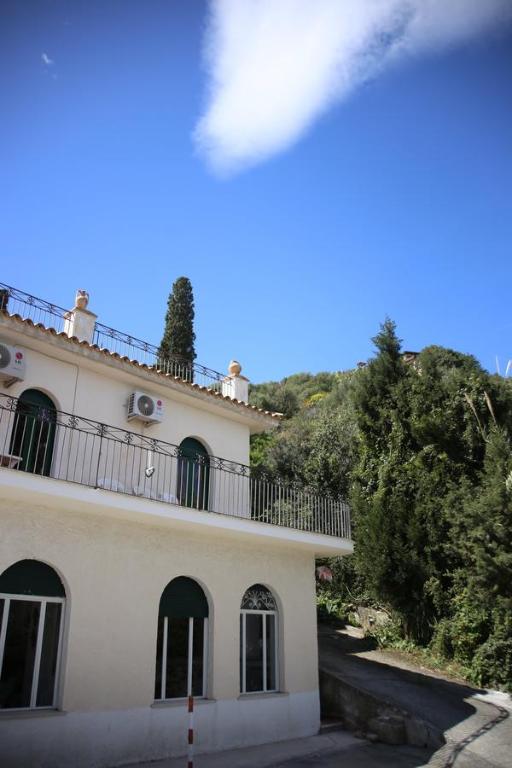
(177, 659)
(197, 658)
(254, 652)
(271, 652)
(49, 651)
(20, 648)
(158, 671)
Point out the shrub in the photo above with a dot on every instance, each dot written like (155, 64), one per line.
(492, 664)
(330, 608)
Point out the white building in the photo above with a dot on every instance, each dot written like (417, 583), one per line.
(140, 560)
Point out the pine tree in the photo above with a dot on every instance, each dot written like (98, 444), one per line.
(176, 352)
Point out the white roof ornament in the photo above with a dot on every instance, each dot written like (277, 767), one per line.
(234, 369)
(80, 322)
(234, 385)
(81, 299)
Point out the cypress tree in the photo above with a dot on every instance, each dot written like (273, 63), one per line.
(176, 352)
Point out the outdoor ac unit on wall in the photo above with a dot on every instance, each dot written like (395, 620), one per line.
(145, 408)
(12, 364)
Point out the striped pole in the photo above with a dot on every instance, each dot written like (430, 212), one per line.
(190, 754)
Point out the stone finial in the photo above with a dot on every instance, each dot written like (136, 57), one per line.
(234, 369)
(234, 385)
(80, 322)
(81, 299)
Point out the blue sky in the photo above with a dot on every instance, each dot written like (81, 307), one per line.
(392, 198)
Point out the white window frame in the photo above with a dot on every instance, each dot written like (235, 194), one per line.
(8, 598)
(165, 643)
(243, 683)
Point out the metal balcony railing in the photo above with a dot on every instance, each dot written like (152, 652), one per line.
(16, 302)
(63, 446)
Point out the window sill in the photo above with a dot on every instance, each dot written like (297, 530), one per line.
(23, 714)
(262, 695)
(182, 703)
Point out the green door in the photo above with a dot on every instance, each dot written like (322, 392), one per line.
(193, 474)
(33, 435)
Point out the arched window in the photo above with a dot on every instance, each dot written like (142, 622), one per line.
(181, 649)
(31, 618)
(258, 641)
(193, 488)
(33, 433)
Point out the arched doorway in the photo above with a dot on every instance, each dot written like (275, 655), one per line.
(193, 487)
(33, 434)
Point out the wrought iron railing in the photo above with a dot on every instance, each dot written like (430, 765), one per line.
(16, 302)
(66, 447)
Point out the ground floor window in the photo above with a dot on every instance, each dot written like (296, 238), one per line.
(182, 640)
(32, 602)
(258, 641)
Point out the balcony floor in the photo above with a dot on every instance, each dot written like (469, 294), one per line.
(35, 490)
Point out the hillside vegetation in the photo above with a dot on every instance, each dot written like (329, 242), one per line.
(422, 451)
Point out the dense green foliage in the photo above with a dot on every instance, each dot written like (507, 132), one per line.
(422, 449)
(179, 337)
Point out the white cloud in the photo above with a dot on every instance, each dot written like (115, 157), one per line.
(46, 60)
(274, 66)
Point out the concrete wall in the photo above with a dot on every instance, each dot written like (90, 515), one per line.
(114, 573)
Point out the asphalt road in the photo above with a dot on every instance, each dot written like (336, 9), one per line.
(477, 726)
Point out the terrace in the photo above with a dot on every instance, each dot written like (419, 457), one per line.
(67, 447)
(75, 449)
(16, 302)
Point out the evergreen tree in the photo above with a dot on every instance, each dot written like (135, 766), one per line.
(489, 565)
(425, 450)
(421, 451)
(176, 352)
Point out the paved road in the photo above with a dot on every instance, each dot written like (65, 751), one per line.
(335, 750)
(340, 749)
(477, 726)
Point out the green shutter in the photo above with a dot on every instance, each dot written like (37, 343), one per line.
(193, 481)
(33, 433)
(183, 598)
(30, 577)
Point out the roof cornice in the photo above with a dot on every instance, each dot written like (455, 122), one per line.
(73, 345)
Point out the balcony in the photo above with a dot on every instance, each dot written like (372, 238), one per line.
(16, 302)
(66, 447)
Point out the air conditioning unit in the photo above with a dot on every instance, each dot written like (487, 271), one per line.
(12, 364)
(145, 408)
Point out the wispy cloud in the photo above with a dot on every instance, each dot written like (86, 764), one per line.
(274, 66)
(46, 60)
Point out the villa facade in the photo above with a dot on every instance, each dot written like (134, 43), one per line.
(141, 560)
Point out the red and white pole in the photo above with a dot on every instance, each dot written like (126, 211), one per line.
(190, 754)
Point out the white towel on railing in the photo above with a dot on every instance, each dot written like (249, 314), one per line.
(111, 484)
(169, 498)
(151, 493)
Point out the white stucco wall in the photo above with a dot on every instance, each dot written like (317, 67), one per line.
(114, 572)
(100, 393)
(90, 386)
(115, 555)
